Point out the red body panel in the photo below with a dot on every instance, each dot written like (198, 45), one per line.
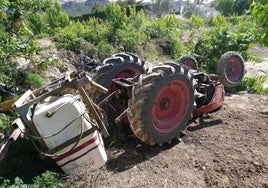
(215, 103)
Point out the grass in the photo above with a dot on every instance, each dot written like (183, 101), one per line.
(253, 84)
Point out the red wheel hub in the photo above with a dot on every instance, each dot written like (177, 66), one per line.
(233, 69)
(170, 106)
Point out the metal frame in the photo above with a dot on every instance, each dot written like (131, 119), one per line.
(79, 82)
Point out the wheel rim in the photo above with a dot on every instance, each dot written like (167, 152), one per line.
(233, 69)
(170, 106)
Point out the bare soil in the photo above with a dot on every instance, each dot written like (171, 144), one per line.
(228, 148)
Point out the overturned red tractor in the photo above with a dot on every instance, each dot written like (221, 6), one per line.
(158, 103)
(67, 118)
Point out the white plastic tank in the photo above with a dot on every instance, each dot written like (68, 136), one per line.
(64, 118)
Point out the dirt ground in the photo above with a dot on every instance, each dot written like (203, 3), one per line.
(228, 148)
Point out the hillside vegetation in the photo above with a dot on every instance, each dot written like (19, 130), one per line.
(114, 28)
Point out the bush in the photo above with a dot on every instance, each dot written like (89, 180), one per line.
(48, 19)
(34, 79)
(67, 41)
(174, 47)
(117, 18)
(95, 30)
(167, 30)
(225, 7)
(129, 39)
(217, 21)
(4, 123)
(215, 42)
(196, 22)
(105, 47)
(163, 26)
(46, 180)
(259, 15)
(234, 19)
(253, 84)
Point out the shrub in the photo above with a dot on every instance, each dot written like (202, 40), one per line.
(42, 63)
(116, 16)
(225, 7)
(260, 16)
(196, 21)
(163, 26)
(167, 30)
(215, 42)
(253, 84)
(174, 47)
(129, 39)
(4, 123)
(137, 19)
(217, 21)
(66, 39)
(48, 179)
(105, 47)
(48, 19)
(34, 79)
(95, 30)
(234, 19)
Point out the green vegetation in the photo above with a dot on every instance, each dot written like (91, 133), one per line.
(252, 85)
(260, 16)
(196, 22)
(4, 123)
(224, 37)
(122, 27)
(46, 180)
(34, 79)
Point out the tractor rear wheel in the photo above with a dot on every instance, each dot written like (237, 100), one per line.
(161, 104)
(120, 65)
(189, 61)
(231, 69)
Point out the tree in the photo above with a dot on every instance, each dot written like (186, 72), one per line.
(190, 9)
(260, 16)
(16, 39)
(225, 7)
(126, 2)
(160, 7)
(16, 36)
(240, 6)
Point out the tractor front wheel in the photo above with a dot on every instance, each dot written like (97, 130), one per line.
(231, 69)
(189, 61)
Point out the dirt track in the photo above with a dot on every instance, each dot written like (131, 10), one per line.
(226, 149)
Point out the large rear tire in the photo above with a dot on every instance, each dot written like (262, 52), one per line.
(231, 69)
(120, 65)
(161, 104)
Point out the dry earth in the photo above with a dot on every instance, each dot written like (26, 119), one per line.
(228, 148)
